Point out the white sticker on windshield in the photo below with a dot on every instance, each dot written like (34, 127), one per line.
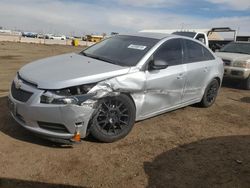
(137, 47)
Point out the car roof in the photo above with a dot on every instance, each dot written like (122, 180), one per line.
(150, 35)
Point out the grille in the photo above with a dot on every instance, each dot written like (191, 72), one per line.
(237, 73)
(227, 62)
(54, 127)
(20, 94)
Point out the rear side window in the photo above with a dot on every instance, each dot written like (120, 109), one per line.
(196, 52)
(171, 52)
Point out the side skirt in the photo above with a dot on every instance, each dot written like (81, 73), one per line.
(168, 109)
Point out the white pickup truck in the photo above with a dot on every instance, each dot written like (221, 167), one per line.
(196, 34)
(207, 36)
(201, 36)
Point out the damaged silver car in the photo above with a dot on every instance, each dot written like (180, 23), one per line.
(105, 88)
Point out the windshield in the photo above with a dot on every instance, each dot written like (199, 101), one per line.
(121, 49)
(185, 34)
(236, 47)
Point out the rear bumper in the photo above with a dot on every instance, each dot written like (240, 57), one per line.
(236, 72)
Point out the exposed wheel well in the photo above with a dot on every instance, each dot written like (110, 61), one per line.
(128, 94)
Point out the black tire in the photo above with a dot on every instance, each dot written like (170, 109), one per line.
(247, 83)
(113, 118)
(210, 94)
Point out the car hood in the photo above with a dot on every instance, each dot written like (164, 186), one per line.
(232, 56)
(68, 70)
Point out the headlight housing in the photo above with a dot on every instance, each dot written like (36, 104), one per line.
(63, 100)
(73, 95)
(242, 64)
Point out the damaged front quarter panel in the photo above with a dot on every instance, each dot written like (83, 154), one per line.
(132, 84)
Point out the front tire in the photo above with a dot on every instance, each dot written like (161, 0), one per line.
(210, 94)
(113, 119)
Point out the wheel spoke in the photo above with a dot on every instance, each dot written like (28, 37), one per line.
(117, 103)
(102, 121)
(119, 106)
(124, 110)
(106, 105)
(104, 125)
(109, 127)
(123, 122)
(118, 125)
(102, 114)
(103, 110)
(113, 129)
(124, 115)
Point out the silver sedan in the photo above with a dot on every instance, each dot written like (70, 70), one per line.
(104, 89)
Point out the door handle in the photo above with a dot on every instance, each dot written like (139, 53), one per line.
(180, 76)
(205, 69)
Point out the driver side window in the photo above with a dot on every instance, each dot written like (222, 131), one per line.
(170, 52)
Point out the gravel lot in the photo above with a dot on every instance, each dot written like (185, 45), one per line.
(189, 147)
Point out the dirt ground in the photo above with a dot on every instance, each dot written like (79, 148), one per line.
(189, 147)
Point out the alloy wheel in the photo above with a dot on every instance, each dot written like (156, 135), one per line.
(112, 117)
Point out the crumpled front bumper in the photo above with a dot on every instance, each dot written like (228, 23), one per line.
(50, 120)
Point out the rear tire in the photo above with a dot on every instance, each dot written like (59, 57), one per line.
(210, 94)
(113, 118)
(247, 83)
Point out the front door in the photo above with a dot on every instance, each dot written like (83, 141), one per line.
(164, 87)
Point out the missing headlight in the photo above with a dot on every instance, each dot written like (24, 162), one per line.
(72, 95)
(77, 99)
(62, 100)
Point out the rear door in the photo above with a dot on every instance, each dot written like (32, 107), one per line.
(164, 88)
(199, 62)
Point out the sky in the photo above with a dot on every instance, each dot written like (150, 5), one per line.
(78, 17)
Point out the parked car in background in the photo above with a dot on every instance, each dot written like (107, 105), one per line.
(105, 88)
(58, 37)
(55, 37)
(70, 38)
(48, 36)
(40, 36)
(236, 57)
(29, 34)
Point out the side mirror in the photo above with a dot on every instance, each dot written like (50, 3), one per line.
(158, 64)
